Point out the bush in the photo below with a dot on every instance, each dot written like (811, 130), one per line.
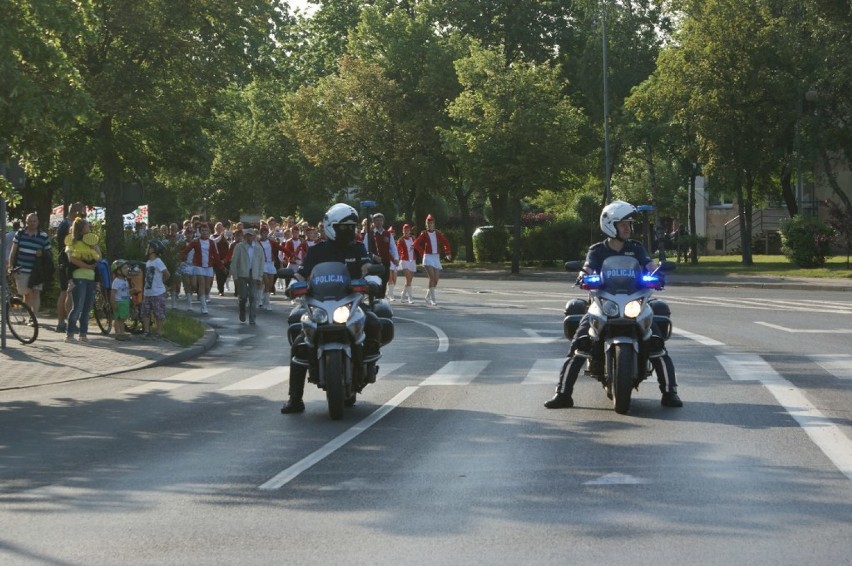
(563, 240)
(492, 246)
(806, 240)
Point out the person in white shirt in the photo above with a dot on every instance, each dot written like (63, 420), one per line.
(154, 289)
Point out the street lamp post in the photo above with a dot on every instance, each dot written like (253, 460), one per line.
(607, 160)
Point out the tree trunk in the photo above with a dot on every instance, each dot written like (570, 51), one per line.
(832, 181)
(693, 228)
(463, 200)
(113, 189)
(787, 192)
(516, 245)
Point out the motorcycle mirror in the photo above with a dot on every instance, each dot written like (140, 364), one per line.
(285, 273)
(573, 265)
(667, 266)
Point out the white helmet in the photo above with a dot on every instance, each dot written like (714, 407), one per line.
(340, 213)
(616, 211)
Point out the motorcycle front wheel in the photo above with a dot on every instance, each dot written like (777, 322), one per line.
(334, 386)
(624, 370)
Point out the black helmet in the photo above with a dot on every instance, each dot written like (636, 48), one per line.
(158, 246)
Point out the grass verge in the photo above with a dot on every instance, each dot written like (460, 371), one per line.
(766, 265)
(182, 330)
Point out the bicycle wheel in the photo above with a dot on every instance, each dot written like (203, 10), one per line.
(22, 322)
(103, 312)
(133, 324)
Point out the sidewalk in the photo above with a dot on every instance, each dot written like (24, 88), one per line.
(50, 360)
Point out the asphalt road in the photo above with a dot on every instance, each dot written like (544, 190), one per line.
(450, 458)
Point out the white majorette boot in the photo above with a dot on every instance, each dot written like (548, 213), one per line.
(266, 302)
(389, 293)
(174, 299)
(189, 301)
(203, 299)
(434, 296)
(408, 295)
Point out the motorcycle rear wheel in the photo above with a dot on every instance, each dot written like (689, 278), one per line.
(334, 386)
(624, 358)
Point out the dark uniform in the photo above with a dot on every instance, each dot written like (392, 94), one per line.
(661, 362)
(354, 255)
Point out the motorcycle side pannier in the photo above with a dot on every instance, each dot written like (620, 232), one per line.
(662, 317)
(574, 312)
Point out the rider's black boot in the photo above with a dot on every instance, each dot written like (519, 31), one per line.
(671, 399)
(560, 401)
(296, 390)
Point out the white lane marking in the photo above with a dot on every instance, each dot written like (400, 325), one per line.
(616, 478)
(544, 371)
(535, 336)
(704, 340)
(839, 365)
(179, 380)
(804, 331)
(264, 380)
(385, 369)
(821, 430)
(748, 367)
(457, 373)
(828, 437)
(443, 339)
(288, 475)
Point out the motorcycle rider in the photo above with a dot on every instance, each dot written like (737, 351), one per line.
(616, 222)
(339, 224)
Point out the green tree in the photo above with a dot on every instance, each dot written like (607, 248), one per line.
(150, 72)
(513, 128)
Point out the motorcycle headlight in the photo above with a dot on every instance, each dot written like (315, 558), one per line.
(341, 314)
(319, 315)
(609, 308)
(632, 309)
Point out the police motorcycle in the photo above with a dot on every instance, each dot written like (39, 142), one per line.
(330, 316)
(621, 315)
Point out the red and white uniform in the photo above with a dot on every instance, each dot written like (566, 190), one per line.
(429, 243)
(293, 252)
(405, 249)
(203, 256)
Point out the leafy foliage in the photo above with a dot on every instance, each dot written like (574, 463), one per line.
(806, 240)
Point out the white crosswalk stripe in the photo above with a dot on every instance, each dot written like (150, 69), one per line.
(545, 370)
(457, 373)
(264, 380)
(184, 378)
(838, 365)
(754, 303)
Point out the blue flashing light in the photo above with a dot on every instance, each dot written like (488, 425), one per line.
(368, 204)
(593, 281)
(650, 280)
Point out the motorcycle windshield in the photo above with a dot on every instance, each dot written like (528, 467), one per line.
(329, 280)
(620, 274)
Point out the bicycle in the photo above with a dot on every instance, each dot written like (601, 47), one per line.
(20, 318)
(135, 276)
(102, 309)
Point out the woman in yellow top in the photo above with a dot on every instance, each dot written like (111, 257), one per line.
(83, 252)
